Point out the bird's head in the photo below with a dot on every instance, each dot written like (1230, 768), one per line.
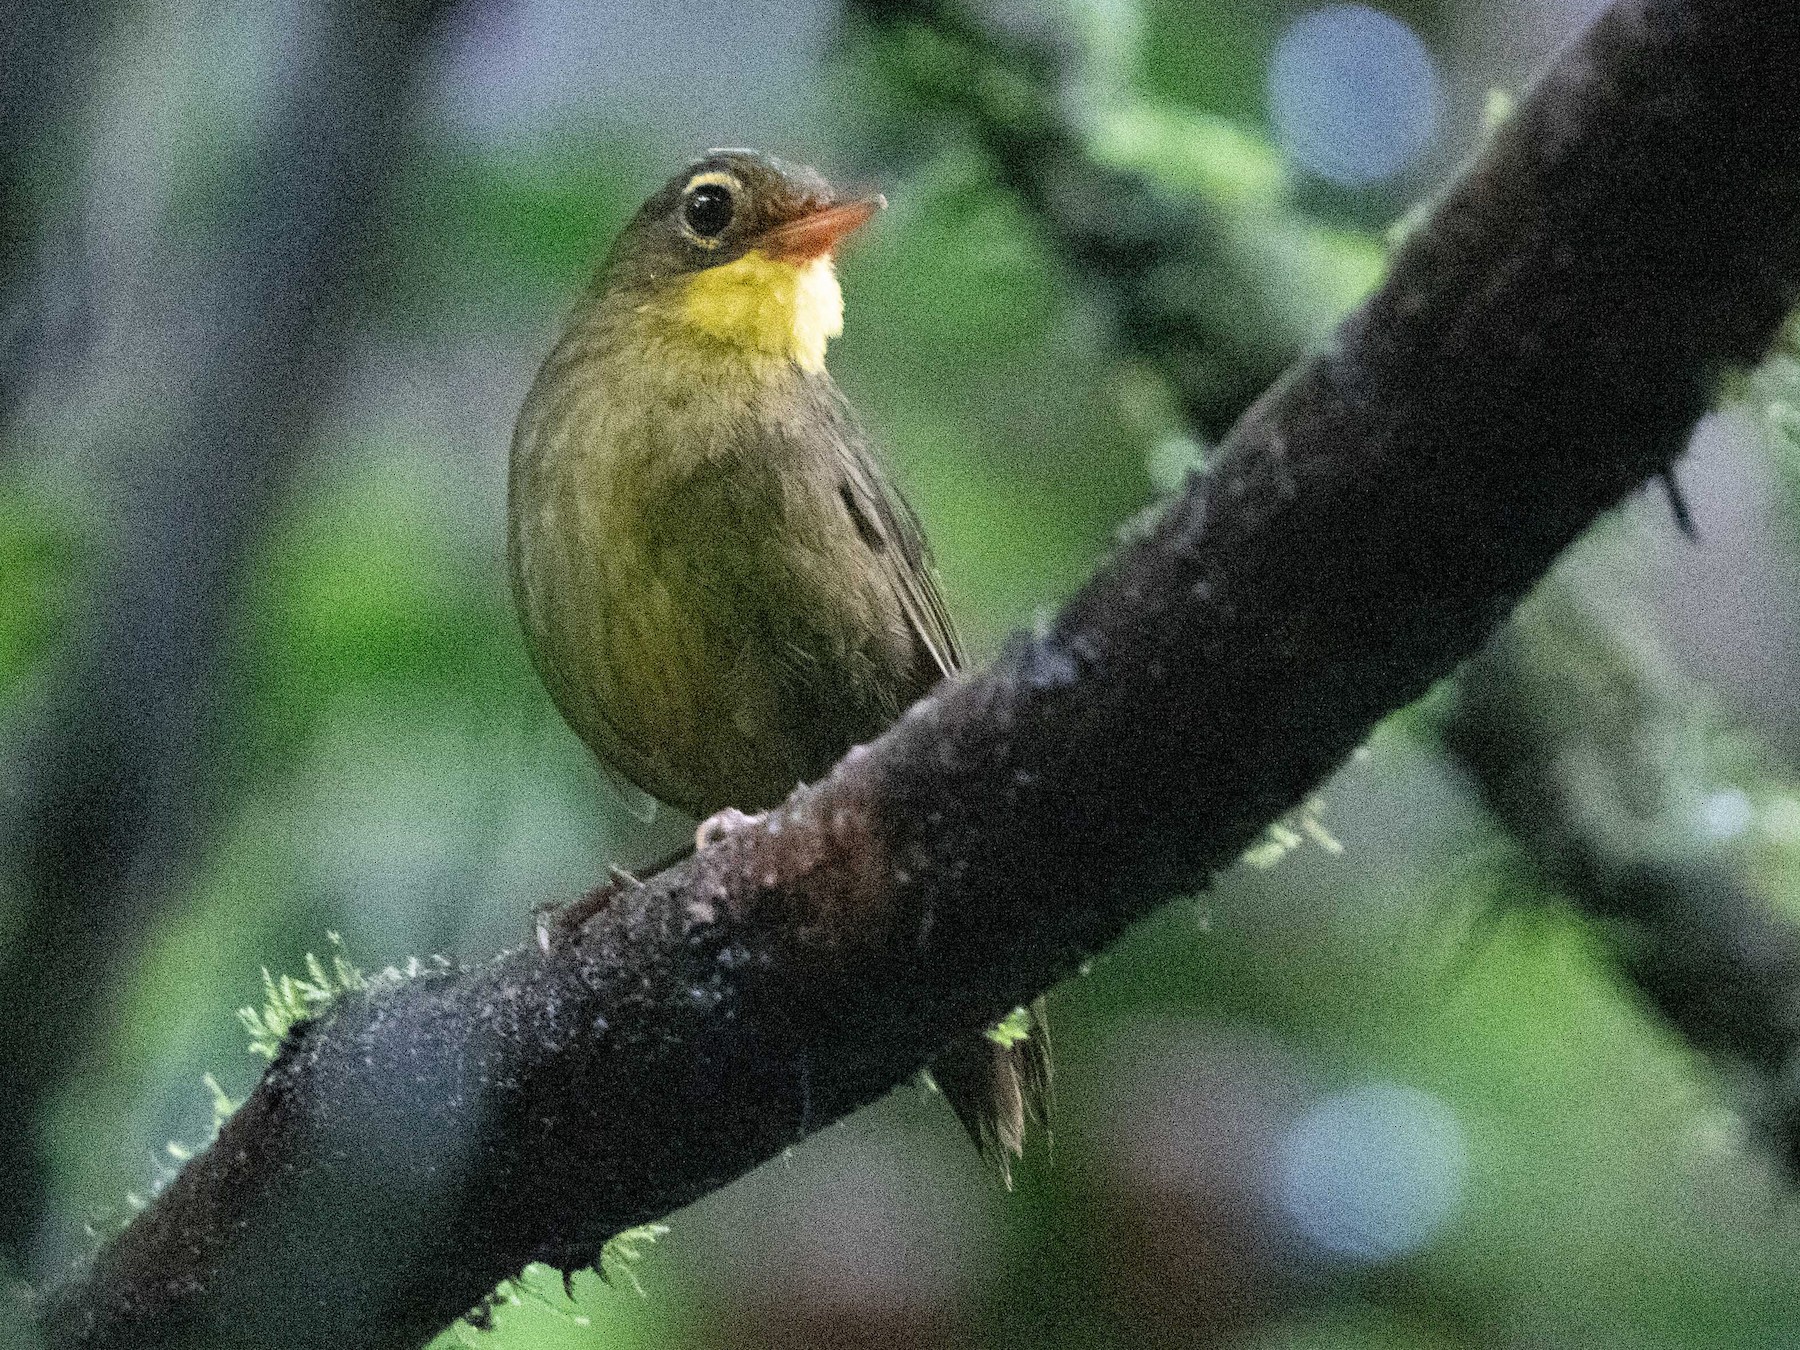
(736, 249)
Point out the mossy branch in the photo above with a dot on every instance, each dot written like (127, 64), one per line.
(1544, 344)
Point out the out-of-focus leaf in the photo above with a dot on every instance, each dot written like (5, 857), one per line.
(489, 231)
(41, 552)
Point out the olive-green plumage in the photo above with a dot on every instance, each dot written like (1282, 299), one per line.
(716, 581)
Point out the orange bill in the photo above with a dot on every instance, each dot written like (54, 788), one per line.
(818, 231)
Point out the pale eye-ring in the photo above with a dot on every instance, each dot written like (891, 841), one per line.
(708, 210)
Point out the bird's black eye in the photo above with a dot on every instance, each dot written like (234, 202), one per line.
(708, 210)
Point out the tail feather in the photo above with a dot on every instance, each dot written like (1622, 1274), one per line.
(999, 1086)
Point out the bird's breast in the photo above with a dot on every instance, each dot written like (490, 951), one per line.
(686, 565)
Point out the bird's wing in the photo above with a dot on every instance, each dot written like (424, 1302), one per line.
(888, 526)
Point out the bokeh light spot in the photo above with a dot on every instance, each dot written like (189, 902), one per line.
(1353, 93)
(1372, 1173)
(1726, 814)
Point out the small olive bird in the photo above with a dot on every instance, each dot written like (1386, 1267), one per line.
(716, 580)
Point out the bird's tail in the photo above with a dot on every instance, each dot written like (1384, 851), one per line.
(998, 1083)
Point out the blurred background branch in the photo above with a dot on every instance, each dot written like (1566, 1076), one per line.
(1609, 771)
(1172, 269)
(118, 784)
(49, 56)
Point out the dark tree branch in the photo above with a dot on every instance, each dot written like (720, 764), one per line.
(110, 795)
(1707, 952)
(1544, 345)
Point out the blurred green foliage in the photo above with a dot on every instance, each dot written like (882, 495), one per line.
(40, 552)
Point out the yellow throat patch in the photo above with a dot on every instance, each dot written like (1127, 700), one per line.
(778, 308)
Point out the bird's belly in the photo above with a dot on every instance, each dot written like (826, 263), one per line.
(721, 661)
(747, 694)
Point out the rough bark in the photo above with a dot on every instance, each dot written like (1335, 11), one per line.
(1545, 343)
